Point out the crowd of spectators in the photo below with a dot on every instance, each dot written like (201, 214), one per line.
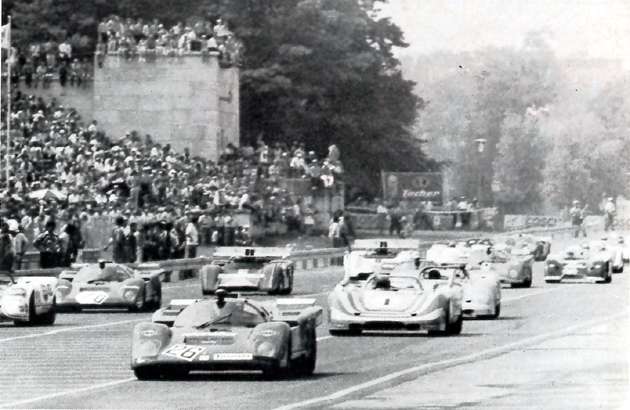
(40, 63)
(70, 172)
(146, 39)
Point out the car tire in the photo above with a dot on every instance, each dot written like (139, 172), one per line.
(455, 328)
(146, 373)
(608, 278)
(527, 283)
(306, 364)
(32, 314)
(156, 303)
(497, 311)
(139, 304)
(617, 269)
(48, 318)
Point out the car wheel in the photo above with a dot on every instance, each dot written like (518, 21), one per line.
(527, 283)
(32, 314)
(455, 328)
(139, 304)
(618, 269)
(497, 311)
(308, 362)
(608, 278)
(48, 318)
(146, 373)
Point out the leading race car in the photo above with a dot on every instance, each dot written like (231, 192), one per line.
(240, 268)
(429, 301)
(579, 263)
(106, 285)
(385, 256)
(27, 300)
(228, 333)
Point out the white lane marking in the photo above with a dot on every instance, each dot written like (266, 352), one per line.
(428, 367)
(63, 393)
(71, 329)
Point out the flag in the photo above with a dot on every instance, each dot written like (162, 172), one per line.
(5, 36)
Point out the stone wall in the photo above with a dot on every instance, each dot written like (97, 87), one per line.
(187, 101)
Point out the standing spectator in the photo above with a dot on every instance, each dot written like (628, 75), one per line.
(132, 242)
(192, 236)
(577, 218)
(334, 232)
(395, 224)
(381, 216)
(20, 245)
(49, 246)
(609, 213)
(6, 248)
(118, 239)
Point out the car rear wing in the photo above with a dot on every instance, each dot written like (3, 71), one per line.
(226, 252)
(298, 310)
(397, 244)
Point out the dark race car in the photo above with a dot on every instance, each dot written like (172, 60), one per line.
(241, 268)
(228, 333)
(105, 285)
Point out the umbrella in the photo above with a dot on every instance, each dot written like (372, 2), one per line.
(47, 193)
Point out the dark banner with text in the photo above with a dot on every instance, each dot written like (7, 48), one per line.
(412, 186)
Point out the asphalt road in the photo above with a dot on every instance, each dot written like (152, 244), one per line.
(83, 361)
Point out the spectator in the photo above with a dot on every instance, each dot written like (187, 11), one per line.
(49, 246)
(6, 248)
(20, 246)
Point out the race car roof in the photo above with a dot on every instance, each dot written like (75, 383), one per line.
(388, 243)
(262, 252)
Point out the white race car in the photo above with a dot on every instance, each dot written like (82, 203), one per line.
(384, 256)
(613, 248)
(27, 300)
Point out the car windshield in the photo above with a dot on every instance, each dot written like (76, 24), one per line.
(394, 283)
(208, 313)
(247, 263)
(110, 273)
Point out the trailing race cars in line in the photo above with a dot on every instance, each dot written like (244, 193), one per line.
(579, 263)
(27, 300)
(228, 333)
(105, 285)
(385, 256)
(238, 268)
(430, 300)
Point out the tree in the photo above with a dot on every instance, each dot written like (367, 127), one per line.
(519, 163)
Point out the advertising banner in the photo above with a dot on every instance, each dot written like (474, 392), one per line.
(412, 186)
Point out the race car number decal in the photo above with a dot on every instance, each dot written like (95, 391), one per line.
(185, 352)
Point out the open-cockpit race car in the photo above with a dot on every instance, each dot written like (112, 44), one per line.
(579, 263)
(241, 268)
(107, 285)
(382, 256)
(429, 300)
(228, 333)
(512, 261)
(27, 300)
(538, 246)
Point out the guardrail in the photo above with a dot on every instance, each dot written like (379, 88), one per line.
(304, 259)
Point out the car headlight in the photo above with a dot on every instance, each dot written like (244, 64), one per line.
(130, 294)
(597, 266)
(513, 273)
(148, 348)
(16, 292)
(265, 349)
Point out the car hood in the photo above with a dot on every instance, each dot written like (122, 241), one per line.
(372, 300)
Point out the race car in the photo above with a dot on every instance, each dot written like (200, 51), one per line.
(614, 246)
(482, 287)
(226, 333)
(27, 300)
(106, 285)
(579, 263)
(513, 264)
(240, 268)
(538, 246)
(448, 252)
(429, 301)
(385, 256)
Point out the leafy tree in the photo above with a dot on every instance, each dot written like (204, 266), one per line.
(519, 163)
